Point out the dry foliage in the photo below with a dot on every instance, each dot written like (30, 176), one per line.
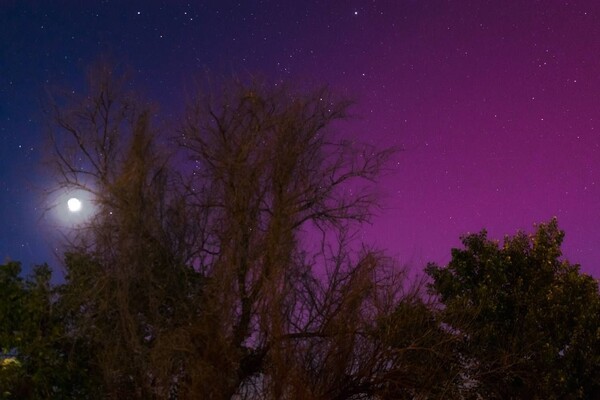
(193, 279)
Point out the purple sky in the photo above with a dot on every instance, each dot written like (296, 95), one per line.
(496, 103)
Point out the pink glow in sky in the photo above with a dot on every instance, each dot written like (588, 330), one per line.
(496, 104)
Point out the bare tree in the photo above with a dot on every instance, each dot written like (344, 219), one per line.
(130, 265)
(273, 173)
(199, 277)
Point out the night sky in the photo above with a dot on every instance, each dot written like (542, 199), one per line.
(496, 104)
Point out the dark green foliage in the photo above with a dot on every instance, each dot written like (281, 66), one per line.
(529, 322)
(514, 321)
(41, 359)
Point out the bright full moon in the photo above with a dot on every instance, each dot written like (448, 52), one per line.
(74, 204)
